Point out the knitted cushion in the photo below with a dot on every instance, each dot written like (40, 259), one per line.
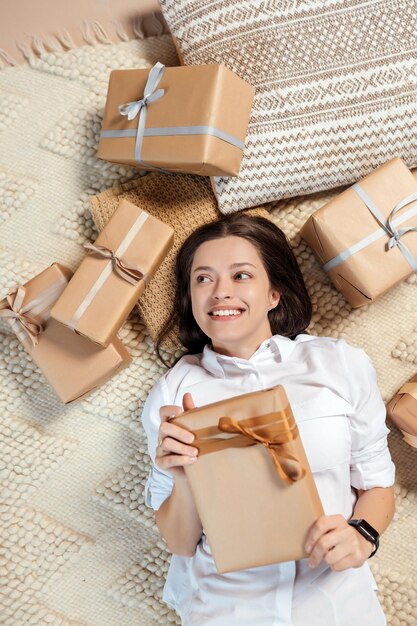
(336, 87)
(184, 202)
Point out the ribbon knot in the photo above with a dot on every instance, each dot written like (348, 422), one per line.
(25, 326)
(394, 240)
(128, 272)
(289, 468)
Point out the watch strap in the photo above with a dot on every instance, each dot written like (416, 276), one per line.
(366, 530)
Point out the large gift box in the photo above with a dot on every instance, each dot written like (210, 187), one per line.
(73, 365)
(182, 119)
(402, 411)
(365, 238)
(252, 484)
(112, 277)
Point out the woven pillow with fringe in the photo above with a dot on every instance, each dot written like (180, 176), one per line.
(184, 202)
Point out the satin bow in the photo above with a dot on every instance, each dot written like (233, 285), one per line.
(396, 234)
(128, 272)
(388, 223)
(25, 326)
(288, 467)
(140, 107)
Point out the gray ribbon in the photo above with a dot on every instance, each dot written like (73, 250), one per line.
(140, 107)
(388, 227)
(170, 131)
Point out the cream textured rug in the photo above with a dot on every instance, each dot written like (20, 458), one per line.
(79, 548)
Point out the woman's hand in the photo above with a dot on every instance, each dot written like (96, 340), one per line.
(341, 546)
(174, 449)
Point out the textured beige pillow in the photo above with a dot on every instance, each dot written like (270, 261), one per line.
(184, 202)
(336, 84)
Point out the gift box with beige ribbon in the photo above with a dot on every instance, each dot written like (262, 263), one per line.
(114, 274)
(180, 119)
(366, 237)
(252, 484)
(73, 365)
(402, 411)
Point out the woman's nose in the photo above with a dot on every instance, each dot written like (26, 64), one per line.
(223, 290)
(221, 296)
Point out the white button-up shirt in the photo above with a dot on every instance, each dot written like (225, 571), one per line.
(334, 396)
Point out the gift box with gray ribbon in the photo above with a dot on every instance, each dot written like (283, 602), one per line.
(179, 119)
(366, 238)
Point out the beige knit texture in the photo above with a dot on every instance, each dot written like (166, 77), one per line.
(78, 545)
(336, 87)
(184, 202)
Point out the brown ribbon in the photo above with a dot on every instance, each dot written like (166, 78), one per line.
(28, 320)
(126, 271)
(11, 309)
(266, 430)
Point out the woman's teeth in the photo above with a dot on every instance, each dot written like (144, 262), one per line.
(226, 312)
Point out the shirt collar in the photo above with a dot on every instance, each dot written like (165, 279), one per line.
(216, 363)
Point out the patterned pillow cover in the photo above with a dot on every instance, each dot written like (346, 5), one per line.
(336, 87)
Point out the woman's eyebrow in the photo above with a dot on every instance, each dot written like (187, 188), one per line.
(233, 266)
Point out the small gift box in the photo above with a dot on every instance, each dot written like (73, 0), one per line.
(402, 411)
(365, 238)
(112, 277)
(252, 484)
(73, 365)
(182, 119)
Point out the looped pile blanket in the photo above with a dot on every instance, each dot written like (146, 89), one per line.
(79, 547)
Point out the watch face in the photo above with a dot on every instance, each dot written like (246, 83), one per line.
(373, 534)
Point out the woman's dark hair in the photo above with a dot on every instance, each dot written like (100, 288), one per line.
(290, 317)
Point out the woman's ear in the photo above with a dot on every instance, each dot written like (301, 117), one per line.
(274, 298)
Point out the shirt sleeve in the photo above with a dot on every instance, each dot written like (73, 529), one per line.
(370, 464)
(160, 483)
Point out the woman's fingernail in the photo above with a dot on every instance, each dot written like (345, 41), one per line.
(308, 548)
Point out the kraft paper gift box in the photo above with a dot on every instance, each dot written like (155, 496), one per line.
(73, 365)
(112, 277)
(402, 411)
(251, 483)
(365, 238)
(182, 119)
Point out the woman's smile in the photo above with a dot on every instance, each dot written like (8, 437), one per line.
(225, 314)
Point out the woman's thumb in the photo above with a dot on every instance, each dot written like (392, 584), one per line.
(188, 402)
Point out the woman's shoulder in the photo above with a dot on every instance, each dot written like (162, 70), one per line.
(187, 365)
(166, 386)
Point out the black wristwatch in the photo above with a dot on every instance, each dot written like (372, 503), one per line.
(367, 531)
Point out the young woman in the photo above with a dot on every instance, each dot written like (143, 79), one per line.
(242, 308)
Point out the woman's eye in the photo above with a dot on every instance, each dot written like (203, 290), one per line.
(202, 279)
(242, 275)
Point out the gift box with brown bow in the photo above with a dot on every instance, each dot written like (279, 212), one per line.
(251, 483)
(113, 275)
(181, 119)
(402, 411)
(73, 365)
(366, 237)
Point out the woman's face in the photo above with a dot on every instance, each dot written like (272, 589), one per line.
(231, 295)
